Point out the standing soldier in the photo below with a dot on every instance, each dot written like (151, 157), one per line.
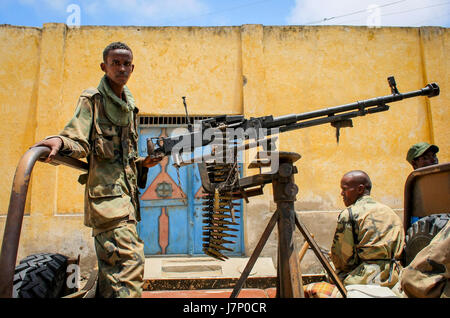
(104, 130)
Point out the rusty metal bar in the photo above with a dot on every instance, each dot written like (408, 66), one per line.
(303, 250)
(13, 224)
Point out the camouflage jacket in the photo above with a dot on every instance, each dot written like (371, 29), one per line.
(111, 193)
(428, 274)
(365, 246)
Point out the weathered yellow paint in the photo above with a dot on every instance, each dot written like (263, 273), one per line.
(435, 47)
(322, 67)
(19, 69)
(252, 70)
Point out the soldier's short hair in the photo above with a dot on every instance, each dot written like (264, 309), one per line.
(115, 46)
(361, 177)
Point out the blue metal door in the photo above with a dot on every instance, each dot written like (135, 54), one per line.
(171, 210)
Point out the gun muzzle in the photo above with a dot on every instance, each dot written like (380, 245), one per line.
(432, 90)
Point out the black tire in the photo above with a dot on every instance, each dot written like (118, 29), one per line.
(420, 234)
(40, 276)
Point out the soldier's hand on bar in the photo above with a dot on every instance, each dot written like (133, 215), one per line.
(53, 143)
(151, 161)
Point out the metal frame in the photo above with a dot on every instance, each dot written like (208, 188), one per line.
(14, 219)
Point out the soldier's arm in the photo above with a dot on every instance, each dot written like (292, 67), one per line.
(142, 165)
(343, 247)
(141, 173)
(75, 135)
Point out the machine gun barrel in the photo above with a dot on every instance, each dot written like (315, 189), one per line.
(347, 111)
(430, 90)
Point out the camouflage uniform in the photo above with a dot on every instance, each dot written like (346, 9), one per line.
(105, 131)
(428, 274)
(120, 262)
(379, 236)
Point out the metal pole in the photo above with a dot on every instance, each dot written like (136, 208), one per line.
(13, 224)
(14, 219)
(285, 190)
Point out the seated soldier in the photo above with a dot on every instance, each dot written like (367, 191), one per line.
(422, 155)
(368, 240)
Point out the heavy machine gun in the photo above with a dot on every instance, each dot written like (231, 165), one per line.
(228, 135)
(338, 117)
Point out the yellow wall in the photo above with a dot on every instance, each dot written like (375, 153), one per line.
(253, 70)
(19, 71)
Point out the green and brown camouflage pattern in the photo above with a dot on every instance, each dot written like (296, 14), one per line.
(111, 194)
(428, 275)
(380, 238)
(120, 254)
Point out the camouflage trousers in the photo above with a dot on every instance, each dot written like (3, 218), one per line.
(120, 254)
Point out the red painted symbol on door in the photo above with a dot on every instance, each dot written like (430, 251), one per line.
(163, 230)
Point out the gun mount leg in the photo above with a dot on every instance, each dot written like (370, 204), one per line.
(289, 273)
(251, 262)
(289, 282)
(285, 190)
(289, 277)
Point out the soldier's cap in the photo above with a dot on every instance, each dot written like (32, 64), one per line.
(419, 149)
